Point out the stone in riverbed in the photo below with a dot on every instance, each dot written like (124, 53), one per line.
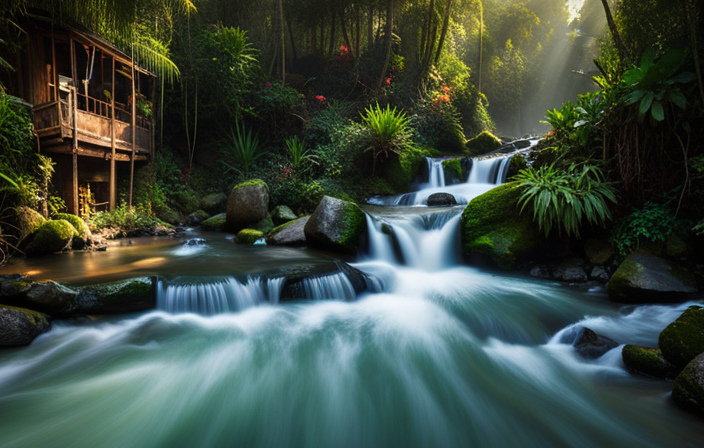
(127, 296)
(290, 234)
(591, 345)
(214, 203)
(336, 225)
(441, 199)
(645, 278)
(571, 270)
(683, 339)
(83, 236)
(648, 361)
(19, 326)
(688, 389)
(215, 223)
(247, 205)
(52, 236)
(282, 214)
(248, 236)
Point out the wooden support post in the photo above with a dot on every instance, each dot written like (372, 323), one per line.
(113, 179)
(74, 208)
(134, 131)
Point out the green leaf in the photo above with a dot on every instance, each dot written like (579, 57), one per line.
(657, 111)
(646, 102)
(678, 99)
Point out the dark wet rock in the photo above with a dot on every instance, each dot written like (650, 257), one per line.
(215, 223)
(492, 228)
(647, 361)
(645, 278)
(247, 205)
(248, 236)
(51, 298)
(195, 242)
(598, 251)
(282, 214)
(290, 234)
(19, 326)
(13, 285)
(540, 272)
(683, 339)
(600, 274)
(571, 270)
(52, 236)
(127, 296)
(466, 165)
(591, 345)
(688, 389)
(214, 203)
(336, 225)
(294, 286)
(441, 199)
(518, 163)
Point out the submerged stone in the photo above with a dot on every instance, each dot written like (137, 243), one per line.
(645, 278)
(19, 326)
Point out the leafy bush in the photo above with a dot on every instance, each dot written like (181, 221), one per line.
(389, 131)
(563, 199)
(124, 218)
(653, 223)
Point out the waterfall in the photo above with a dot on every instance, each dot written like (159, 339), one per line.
(329, 287)
(436, 175)
(215, 297)
(489, 171)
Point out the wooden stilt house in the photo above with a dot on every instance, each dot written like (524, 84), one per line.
(92, 111)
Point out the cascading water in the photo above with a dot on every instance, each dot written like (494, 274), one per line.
(436, 175)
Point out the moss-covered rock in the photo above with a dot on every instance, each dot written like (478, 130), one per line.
(491, 227)
(518, 163)
(265, 225)
(197, 217)
(215, 223)
(688, 389)
(49, 297)
(282, 214)
(483, 143)
(28, 222)
(452, 170)
(683, 339)
(645, 278)
(52, 236)
(167, 214)
(19, 326)
(648, 361)
(401, 171)
(83, 236)
(214, 203)
(336, 225)
(248, 204)
(290, 234)
(248, 236)
(127, 296)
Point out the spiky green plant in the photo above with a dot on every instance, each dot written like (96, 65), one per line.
(389, 130)
(240, 149)
(300, 153)
(564, 199)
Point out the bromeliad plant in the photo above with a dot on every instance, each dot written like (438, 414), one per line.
(563, 199)
(389, 131)
(240, 149)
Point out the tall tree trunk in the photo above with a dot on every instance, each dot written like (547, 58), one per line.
(345, 35)
(293, 42)
(333, 22)
(425, 31)
(623, 53)
(389, 40)
(443, 33)
(689, 15)
(283, 43)
(314, 39)
(370, 27)
(357, 31)
(481, 44)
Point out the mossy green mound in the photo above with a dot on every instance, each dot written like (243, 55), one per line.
(83, 235)
(28, 221)
(452, 170)
(402, 171)
(215, 223)
(492, 227)
(248, 236)
(688, 389)
(683, 339)
(336, 225)
(483, 143)
(125, 296)
(647, 361)
(52, 236)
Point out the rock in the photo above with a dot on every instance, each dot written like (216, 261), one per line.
(197, 217)
(83, 237)
(540, 272)
(51, 298)
(599, 273)
(52, 236)
(128, 296)
(28, 222)
(196, 242)
(19, 326)
(683, 339)
(247, 205)
(290, 234)
(265, 225)
(441, 199)
(214, 203)
(215, 223)
(295, 286)
(13, 285)
(688, 389)
(248, 236)
(491, 228)
(598, 251)
(645, 278)
(336, 225)
(282, 214)
(591, 345)
(483, 143)
(571, 270)
(648, 361)
(518, 163)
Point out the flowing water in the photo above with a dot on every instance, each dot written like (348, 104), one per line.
(442, 355)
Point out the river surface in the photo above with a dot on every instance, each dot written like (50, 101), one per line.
(446, 356)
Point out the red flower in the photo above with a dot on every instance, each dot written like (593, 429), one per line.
(320, 98)
(445, 89)
(388, 81)
(268, 85)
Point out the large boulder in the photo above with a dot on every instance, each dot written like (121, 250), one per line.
(282, 214)
(247, 204)
(50, 297)
(214, 203)
(290, 234)
(688, 390)
(683, 339)
(492, 228)
(52, 236)
(19, 326)
(336, 225)
(441, 199)
(215, 223)
(648, 361)
(483, 143)
(645, 278)
(127, 296)
(28, 222)
(83, 237)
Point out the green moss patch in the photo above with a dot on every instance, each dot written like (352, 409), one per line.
(483, 144)
(52, 236)
(683, 339)
(648, 361)
(215, 223)
(248, 236)
(452, 169)
(251, 183)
